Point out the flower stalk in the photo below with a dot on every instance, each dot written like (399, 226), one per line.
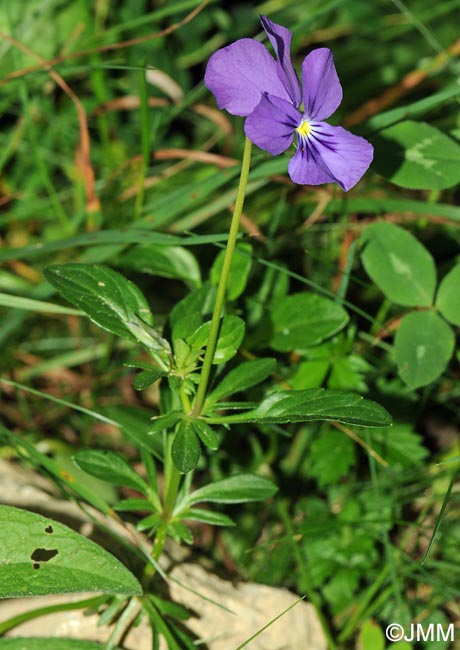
(221, 289)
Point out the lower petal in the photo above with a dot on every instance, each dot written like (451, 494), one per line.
(272, 123)
(305, 167)
(344, 155)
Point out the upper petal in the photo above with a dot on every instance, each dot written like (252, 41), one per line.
(322, 92)
(271, 125)
(238, 74)
(280, 38)
(346, 156)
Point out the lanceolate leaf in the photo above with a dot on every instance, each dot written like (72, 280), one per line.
(316, 404)
(111, 467)
(247, 374)
(107, 297)
(239, 488)
(185, 450)
(399, 264)
(41, 556)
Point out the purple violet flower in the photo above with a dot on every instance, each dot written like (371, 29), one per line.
(246, 80)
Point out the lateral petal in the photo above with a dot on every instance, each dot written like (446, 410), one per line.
(240, 73)
(280, 38)
(272, 123)
(345, 155)
(322, 92)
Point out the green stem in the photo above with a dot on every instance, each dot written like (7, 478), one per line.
(220, 297)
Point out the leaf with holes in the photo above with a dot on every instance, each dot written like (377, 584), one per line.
(40, 556)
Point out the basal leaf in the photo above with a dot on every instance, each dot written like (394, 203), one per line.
(302, 320)
(110, 466)
(41, 556)
(448, 297)
(418, 156)
(399, 264)
(42, 643)
(107, 297)
(424, 344)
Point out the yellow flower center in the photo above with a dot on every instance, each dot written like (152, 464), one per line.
(304, 128)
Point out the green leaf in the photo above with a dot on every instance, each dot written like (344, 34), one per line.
(247, 374)
(448, 297)
(110, 467)
(302, 320)
(41, 556)
(146, 378)
(399, 264)
(164, 261)
(371, 637)
(231, 335)
(418, 156)
(424, 344)
(164, 422)
(205, 433)
(29, 643)
(207, 517)
(107, 297)
(240, 488)
(239, 270)
(315, 404)
(332, 453)
(185, 450)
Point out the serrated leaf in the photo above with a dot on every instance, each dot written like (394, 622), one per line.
(239, 270)
(107, 297)
(424, 344)
(185, 450)
(244, 376)
(418, 156)
(167, 262)
(399, 264)
(240, 488)
(302, 320)
(205, 433)
(315, 404)
(111, 467)
(448, 297)
(231, 334)
(207, 517)
(40, 556)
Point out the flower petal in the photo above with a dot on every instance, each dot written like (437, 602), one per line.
(280, 38)
(272, 123)
(344, 155)
(306, 168)
(238, 74)
(322, 92)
